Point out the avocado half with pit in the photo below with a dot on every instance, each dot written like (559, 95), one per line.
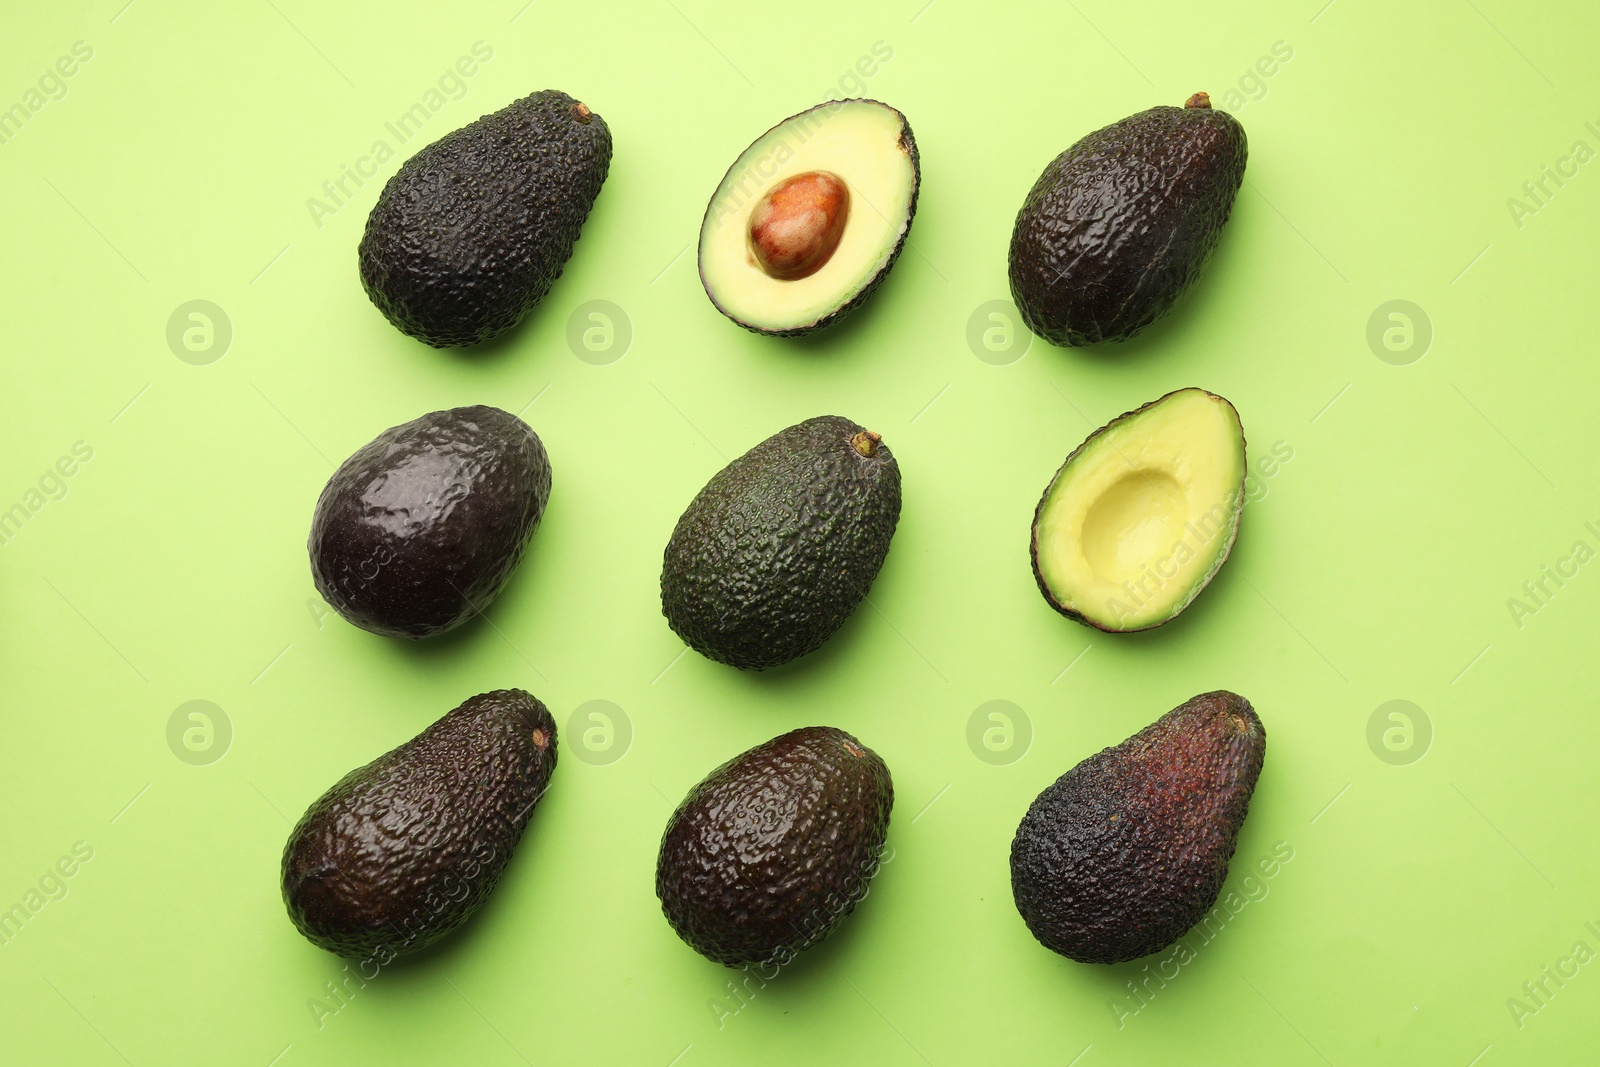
(1143, 514)
(809, 219)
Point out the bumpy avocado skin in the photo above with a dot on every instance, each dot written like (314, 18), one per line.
(782, 544)
(404, 850)
(908, 145)
(418, 531)
(474, 229)
(1124, 853)
(767, 855)
(1119, 226)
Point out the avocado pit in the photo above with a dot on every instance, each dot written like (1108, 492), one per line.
(795, 228)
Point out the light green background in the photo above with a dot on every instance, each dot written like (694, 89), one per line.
(1377, 566)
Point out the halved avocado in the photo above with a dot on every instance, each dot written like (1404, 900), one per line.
(1143, 514)
(809, 219)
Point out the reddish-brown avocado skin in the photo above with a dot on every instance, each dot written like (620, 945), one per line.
(1123, 854)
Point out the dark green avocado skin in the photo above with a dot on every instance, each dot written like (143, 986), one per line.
(1119, 226)
(1124, 853)
(767, 855)
(418, 530)
(404, 850)
(782, 544)
(474, 229)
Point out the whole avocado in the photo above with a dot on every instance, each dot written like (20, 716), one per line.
(404, 850)
(419, 530)
(767, 855)
(1119, 226)
(1127, 851)
(782, 544)
(474, 229)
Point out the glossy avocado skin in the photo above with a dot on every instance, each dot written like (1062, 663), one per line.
(767, 855)
(404, 850)
(1119, 226)
(418, 530)
(782, 544)
(474, 229)
(1124, 853)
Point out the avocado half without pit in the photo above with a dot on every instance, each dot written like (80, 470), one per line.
(1143, 514)
(809, 219)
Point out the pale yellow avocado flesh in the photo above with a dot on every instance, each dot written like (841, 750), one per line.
(858, 140)
(1142, 516)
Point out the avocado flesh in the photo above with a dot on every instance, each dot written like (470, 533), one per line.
(1126, 852)
(1121, 224)
(1143, 514)
(866, 143)
(782, 544)
(472, 231)
(402, 851)
(419, 530)
(768, 854)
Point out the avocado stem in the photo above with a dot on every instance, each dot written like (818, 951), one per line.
(581, 112)
(866, 442)
(1199, 100)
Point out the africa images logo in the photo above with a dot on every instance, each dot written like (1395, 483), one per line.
(1538, 991)
(1252, 888)
(1538, 592)
(451, 85)
(1539, 191)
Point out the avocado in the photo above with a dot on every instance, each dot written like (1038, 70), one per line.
(474, 229)
(1124, 853)
(1143, 514)
(1122, 223)
(404, 850)
(782, 544)
(809, 219)
(767, 855)
(420, 529)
